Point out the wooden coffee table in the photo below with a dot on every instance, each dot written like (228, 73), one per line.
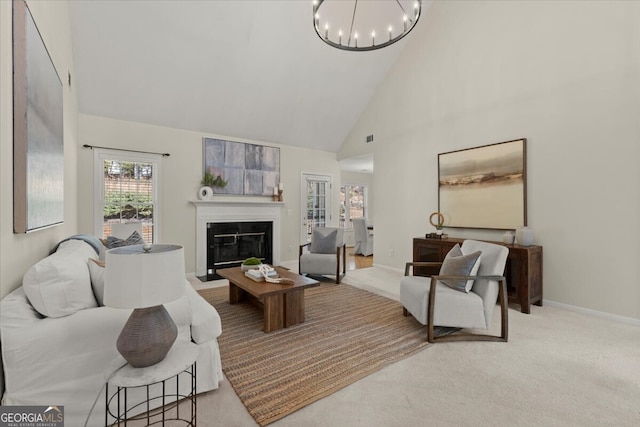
(282, 304)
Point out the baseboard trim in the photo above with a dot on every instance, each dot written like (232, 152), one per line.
(595, 313)
(386, 267)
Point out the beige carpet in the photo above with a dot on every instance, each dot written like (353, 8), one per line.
(348, 334)
(559, 368)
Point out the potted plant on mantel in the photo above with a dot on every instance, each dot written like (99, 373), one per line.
(209, 182)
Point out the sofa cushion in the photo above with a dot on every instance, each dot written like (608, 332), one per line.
(96, 271)
(60, 284)
(324, 241)
(457, 264)
(113, 242)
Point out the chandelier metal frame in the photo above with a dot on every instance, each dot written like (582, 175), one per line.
(409, 19)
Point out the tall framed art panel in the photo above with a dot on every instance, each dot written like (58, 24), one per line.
(38, 144)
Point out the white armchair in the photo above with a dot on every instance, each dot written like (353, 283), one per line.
(326, 249)
(446, 300)
(363, 239)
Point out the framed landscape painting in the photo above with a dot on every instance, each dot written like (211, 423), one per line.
(484, 187)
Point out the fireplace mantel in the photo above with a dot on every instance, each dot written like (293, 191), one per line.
(229, 210)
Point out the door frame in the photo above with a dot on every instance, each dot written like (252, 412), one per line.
(304, 178)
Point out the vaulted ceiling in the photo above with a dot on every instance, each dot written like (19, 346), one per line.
(246, 69)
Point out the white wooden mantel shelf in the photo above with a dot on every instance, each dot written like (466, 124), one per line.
(236, 202)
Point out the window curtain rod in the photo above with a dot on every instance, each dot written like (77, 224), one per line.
(124, 149)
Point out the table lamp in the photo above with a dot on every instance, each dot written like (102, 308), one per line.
(144, 278)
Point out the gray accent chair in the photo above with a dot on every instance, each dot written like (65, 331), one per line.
(325, 255)
(363, 239)
(433, 303)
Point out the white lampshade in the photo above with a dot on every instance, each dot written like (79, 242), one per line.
(135, 278)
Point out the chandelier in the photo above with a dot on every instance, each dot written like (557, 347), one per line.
(364, 24)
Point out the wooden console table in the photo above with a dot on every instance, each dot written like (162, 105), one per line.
(523, 270)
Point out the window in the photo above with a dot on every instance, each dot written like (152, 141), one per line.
(353, 204)
(126, 191)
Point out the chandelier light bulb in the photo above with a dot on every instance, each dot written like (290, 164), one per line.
(390, 32)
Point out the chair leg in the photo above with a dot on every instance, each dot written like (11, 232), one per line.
(504, 321)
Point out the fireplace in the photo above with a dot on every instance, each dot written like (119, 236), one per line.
(230, 243)
(241, 211)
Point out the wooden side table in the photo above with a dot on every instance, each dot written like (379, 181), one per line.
(161, 382)
(523, 270)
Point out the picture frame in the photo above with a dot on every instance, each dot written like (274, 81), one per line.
(247, 169)
(38, 140)
(484, 187)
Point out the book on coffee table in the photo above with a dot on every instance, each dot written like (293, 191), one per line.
(258, 277)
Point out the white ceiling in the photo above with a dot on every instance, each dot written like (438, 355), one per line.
(242, 69)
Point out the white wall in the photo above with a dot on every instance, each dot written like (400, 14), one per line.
(19, 251)
(181, 175)
(563, 74)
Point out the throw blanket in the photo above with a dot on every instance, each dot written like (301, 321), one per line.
(95, 243)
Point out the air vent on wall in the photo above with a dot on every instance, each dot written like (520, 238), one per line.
(369, 138)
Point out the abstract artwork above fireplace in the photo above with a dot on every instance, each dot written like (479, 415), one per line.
(249, 169)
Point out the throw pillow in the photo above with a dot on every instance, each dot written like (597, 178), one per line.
(324, 241)
(114, 242)
(60, 284)
(96, 271)
(457, 264)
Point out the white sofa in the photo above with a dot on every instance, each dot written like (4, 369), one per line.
(63, 359)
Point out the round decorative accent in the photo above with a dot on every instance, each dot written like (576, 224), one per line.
(440, 217)
(205, 193)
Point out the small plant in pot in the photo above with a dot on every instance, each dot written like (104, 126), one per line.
(251, 264)
(208, 180)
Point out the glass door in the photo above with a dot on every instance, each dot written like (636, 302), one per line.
(316, 204)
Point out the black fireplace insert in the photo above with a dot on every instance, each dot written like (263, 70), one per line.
(230, 243)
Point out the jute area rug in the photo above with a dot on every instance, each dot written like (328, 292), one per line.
(348, 333)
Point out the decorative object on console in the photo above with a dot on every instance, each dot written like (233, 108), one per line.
(38, 142)
(508, 237)
(387, 21)
(436, 236)
(524, 236)
(484, 187)
(145, 281)
(248, 169)
(439, 224)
